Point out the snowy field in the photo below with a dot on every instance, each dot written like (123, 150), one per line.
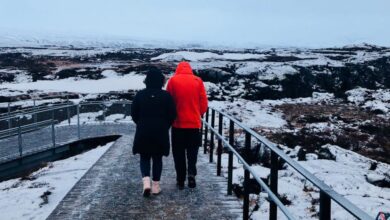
(36, 196)
(350, 174)
(241, 82)
(347, 175)
(111, 82)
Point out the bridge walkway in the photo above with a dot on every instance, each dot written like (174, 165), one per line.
(111, 189)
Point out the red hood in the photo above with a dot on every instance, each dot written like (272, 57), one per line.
(184, 68)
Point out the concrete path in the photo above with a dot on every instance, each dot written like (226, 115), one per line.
(111, 189)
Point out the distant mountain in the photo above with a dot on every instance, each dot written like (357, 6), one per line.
(33, 39)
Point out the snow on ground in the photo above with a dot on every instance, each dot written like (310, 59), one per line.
(23, 199)
(316, 98)
(30, 103)
(21, 76)
(320, 60)
(260, 113)
(199, 65)
(88, 117)
(252, 114)
(205, 56)
(96, 117)
(266, 70)
(84, 66)
(112, 83)
(119, 118)
(371, 99)
(58, 51)
(364, 56)
(347, 175)
(10, 92)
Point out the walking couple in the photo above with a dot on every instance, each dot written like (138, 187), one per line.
(155, 111)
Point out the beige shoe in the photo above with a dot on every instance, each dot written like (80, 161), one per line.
(146, 189)
(156, 187)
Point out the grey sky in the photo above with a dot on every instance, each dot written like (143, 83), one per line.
(260, 22)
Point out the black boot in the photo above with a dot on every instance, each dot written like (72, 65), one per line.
(180, 185)
(191, 182)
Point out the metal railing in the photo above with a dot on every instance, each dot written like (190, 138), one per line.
(326, 193)
(19, 131)
(52, 119)
(34, 106)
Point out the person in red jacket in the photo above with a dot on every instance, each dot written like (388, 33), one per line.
(189, 95)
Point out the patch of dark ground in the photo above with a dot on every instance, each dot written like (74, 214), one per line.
(348, 126)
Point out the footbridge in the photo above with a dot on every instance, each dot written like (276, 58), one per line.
(111, 189)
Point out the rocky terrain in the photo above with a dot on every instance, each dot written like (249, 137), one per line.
(319, 105)
(354, 115)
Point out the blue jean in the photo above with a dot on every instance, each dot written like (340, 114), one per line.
(157, 166)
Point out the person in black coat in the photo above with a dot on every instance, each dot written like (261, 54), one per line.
(153, 110)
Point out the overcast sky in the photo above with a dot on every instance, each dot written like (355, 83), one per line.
(311, 23)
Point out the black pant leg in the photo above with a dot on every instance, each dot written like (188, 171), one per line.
(179, 156)
(194, 141)
(145, 164)
(192, 157)
(157, 167)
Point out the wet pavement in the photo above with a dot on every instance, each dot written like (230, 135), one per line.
(112, 189)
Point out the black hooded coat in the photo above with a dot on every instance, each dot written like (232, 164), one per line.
(153, 110)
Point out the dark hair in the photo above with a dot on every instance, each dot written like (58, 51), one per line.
(154, 79)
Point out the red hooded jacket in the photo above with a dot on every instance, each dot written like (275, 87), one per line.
(189, 95)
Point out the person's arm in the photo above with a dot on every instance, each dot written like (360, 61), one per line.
(203, 98)
(135, 109)
(169, 87)
(171, 110)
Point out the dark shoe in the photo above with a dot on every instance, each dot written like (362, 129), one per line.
(191, 182)
(180, 185)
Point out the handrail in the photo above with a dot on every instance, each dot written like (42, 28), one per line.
(25, 128)
(18, 113)
(33, 125)
(30, 109)
(326, 192)
(313, 179)
(273, 197)
(36, 111)
(104, 102)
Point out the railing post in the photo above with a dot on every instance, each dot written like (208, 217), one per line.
(9, 114)
(67, 109)
(248, 146)
(35, 114)
(246, 178)
(230, 174)
(246, 195)
(104, 111)
(206, 132)
(230, 162)
(219, 148)
(53, 134)
(212, 135)
(274, 185)
(52, 114)
(78, 121)
(20, 141)
(325, 206)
